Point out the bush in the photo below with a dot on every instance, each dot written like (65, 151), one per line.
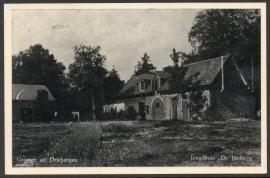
(131, 113)
(122, 115)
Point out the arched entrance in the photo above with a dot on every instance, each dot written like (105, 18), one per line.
(158, 110)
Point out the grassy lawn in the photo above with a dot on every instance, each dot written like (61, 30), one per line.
(173, 143)
(132, 143)
(77, 143)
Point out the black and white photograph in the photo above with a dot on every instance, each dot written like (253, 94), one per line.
(135, 88)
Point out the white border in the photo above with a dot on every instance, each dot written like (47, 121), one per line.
(130, 170)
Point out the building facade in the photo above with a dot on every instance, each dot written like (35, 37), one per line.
(222, 83)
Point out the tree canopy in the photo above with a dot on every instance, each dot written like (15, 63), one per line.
(112, 85)
(86, 75)
(37, 66)
(144, 66)
(217, 32)
(88, 68)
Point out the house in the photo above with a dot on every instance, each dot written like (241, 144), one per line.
(32, 103)
(221, 81)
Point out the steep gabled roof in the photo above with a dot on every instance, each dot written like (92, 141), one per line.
(207, 69)
(28, 92)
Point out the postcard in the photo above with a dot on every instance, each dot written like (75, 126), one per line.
(145, 88)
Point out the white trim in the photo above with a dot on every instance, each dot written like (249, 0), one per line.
(222, 73)
(240, 72)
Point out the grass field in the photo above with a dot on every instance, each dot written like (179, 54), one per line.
(132, 143)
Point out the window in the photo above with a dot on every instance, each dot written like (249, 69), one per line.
(142, 85)
(157, 105)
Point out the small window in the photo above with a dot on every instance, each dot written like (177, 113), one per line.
(157, 105)
(142, 85)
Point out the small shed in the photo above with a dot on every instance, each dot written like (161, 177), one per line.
(32, 103)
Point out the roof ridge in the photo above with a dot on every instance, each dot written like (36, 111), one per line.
(206, 60)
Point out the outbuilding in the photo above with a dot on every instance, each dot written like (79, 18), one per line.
(32, 103)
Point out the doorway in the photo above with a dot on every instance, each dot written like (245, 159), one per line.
(158, 110)
(185, 109)
(142, 110)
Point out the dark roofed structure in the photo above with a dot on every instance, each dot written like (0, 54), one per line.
(207, 69)
(32, 103)
(29, 92)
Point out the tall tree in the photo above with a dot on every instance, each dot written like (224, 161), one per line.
(144, 66)
(112, 85)
(37, 66)
(217, 32)
(87, 74)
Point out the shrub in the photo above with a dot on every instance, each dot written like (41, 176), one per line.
(131, 113)
(122, 115)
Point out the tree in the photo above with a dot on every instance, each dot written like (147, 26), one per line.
(38, 67)
(179, 84)
(217, 32)
(87, 74)
(175, 56)
(144, 66)
(177, 76)
(112, 85)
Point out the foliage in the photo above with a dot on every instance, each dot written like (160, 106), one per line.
(180, 84)
(177, 76)
(112, 85)
(144, 66)
(37, 66)
(197, 102)
(217, 32)
(86, 75)
(129, 114)
(88, 69)
(175, 56)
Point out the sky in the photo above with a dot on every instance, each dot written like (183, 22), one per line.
(123, 35)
